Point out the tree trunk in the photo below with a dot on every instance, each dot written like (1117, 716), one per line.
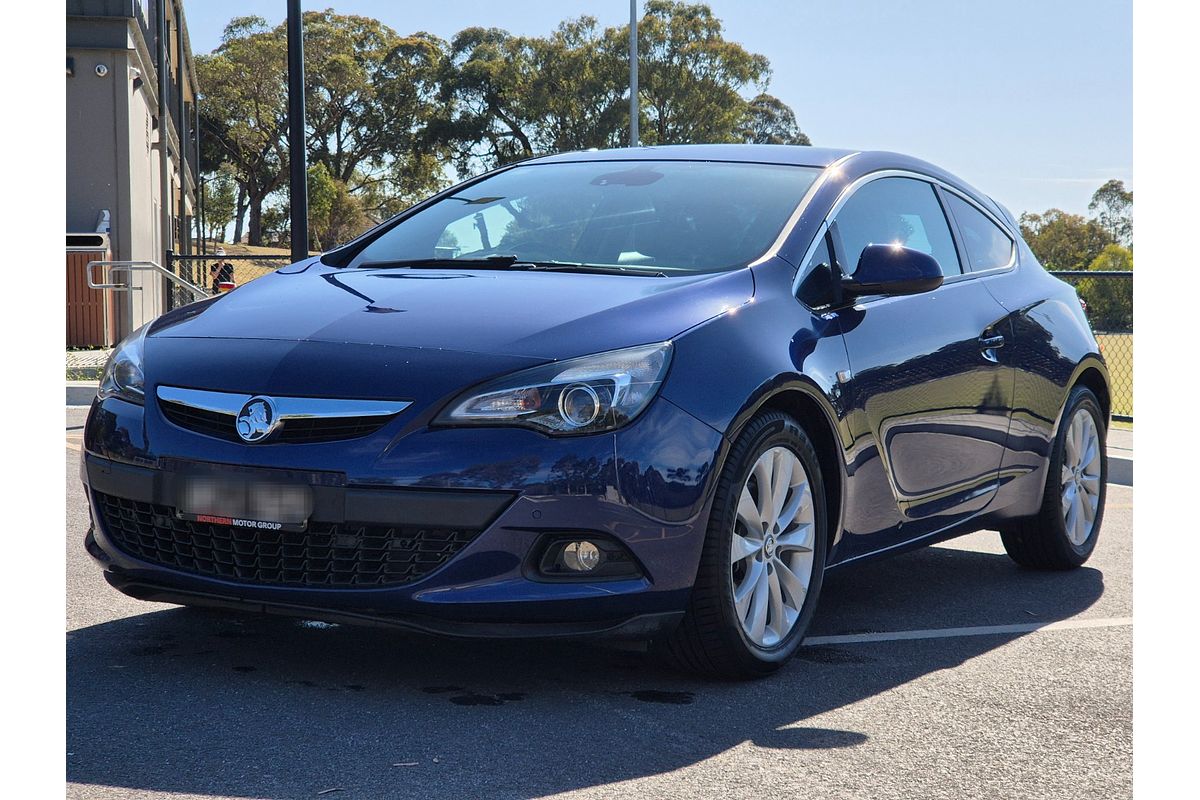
(254, 236)
(240, 213)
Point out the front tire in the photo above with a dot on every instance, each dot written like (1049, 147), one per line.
(1062, 535)
(763, 561)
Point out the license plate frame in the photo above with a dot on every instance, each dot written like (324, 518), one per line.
(249, 502)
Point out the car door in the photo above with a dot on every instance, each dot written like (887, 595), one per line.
(929, 397)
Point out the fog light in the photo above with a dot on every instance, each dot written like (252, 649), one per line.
(569, 557)
(581, 556)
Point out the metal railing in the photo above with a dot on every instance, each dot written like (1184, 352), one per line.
(1108, 302)
(177, 283)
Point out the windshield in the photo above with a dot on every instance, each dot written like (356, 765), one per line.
(657, 216)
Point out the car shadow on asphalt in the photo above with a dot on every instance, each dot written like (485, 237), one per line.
(203, 702)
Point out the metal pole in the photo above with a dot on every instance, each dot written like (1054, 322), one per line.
(199, 179)
(296, 155)
(200, 217)
(181, 127)
(633, 79)
(162, 81)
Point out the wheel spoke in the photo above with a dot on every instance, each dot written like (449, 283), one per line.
(1091, 485)
(798, 539)
(758, 607)
(743, 548)
(1068, 497)
(795, 586)
(745, 590)
(762, 475)
(799, 500)
(747, 513)
(1089, 512)
(781, 481)
(1091, 452)
(1073, 515)
(778, 624)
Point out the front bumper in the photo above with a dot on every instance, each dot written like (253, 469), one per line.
(643, 495)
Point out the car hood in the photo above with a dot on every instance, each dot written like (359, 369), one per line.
(537, 315)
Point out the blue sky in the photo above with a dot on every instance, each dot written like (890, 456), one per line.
(1029, 100)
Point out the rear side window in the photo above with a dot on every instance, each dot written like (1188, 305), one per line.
(986, 243)
(901, 211)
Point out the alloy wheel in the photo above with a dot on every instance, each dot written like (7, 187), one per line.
(1080, 488)
(771, 555)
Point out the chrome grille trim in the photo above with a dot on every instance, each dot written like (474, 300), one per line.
(231, 403)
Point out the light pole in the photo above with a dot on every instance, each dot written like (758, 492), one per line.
(296, 152)
(633, 79)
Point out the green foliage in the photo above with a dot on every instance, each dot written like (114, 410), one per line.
(334, 214)
(274, 226)
(244, 97)
(1109, 301)
(690, 76)
(370, 94)
(1064, 241)
(1113, 206)
(388, 114)
(484, 84)
(580, 95)
(220, 200)
(769, 120)
(509, 97)
(1103, 243)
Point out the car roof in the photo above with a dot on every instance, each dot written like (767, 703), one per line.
(753, 153)
(857, 161)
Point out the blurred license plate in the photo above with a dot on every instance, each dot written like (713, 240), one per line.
(252, 504)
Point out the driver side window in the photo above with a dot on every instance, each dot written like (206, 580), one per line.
(901, 211)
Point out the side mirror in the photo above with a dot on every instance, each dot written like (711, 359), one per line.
(892, 269)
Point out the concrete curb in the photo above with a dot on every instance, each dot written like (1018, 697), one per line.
(80, 393)
(1120, 468)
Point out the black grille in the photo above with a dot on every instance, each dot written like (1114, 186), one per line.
(291, 431)
(326, 555)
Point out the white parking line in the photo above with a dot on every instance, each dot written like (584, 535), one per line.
(982, 630)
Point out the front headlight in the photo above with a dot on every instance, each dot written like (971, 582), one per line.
(123, 376)
(583, 395)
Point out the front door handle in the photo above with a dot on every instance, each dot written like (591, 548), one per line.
(988, 346)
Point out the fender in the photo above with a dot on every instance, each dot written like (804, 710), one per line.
(774, 394)
(1090, 361)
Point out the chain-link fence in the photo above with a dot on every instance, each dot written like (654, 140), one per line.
(215, 274)
(1108, 300)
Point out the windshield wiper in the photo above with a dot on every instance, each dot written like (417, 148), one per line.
(489, 262)
(514, 263)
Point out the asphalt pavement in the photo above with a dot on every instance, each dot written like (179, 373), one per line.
(943, 673)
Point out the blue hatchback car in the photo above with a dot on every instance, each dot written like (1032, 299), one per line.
(653, 392)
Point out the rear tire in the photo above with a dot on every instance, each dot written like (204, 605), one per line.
(1062, 535)
(762, 555)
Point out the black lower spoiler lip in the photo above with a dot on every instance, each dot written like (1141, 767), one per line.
(642, 626)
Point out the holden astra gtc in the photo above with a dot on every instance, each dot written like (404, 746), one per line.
(652, 393)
